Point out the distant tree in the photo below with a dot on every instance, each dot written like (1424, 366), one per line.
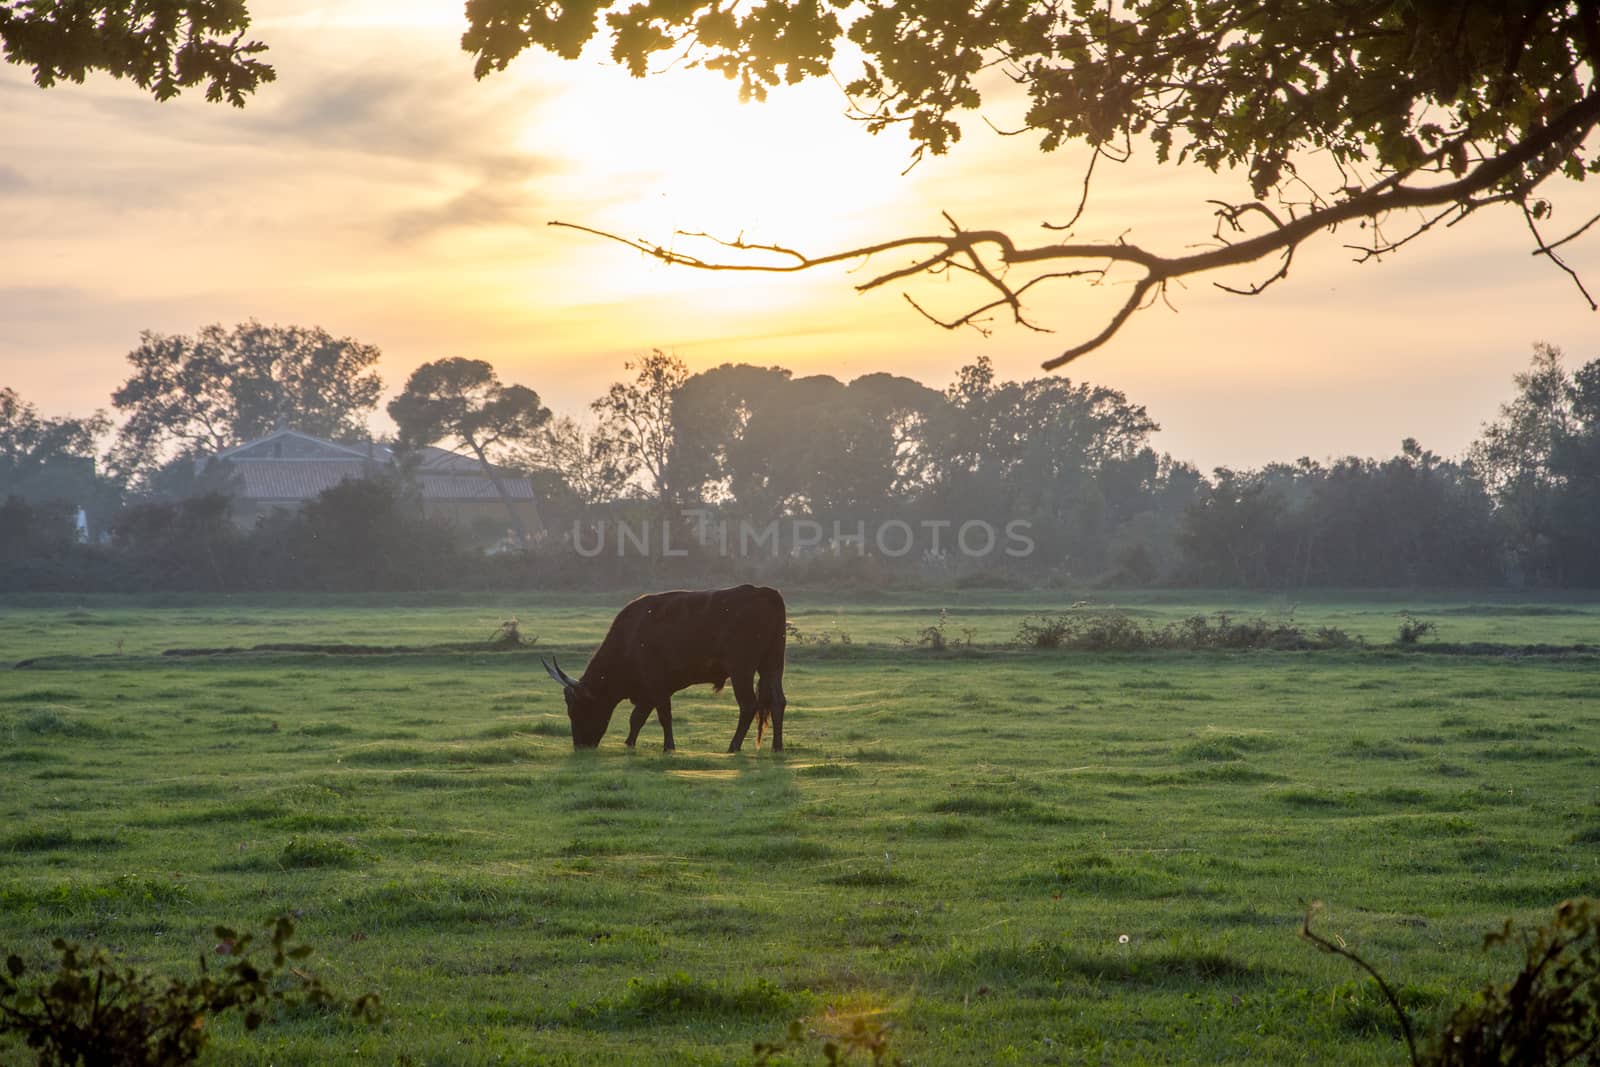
(1232, 534)
(197, 395)
(164, 46)
(1395, 116)
(711, 413)
(463, 400)
(1575, 467)
(1042, 450)
(363, 534)
(638, 415)
(1513, 455)
(34, 530)
(592, 464)
(877, 438)
(1414, 519)
(851, 449)
(189, 544)
(44, 458)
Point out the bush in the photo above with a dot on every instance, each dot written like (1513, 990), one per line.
(1107, 631)
(1413, 629)
(93, 1011)
(1045, 631)
(1547, 1015)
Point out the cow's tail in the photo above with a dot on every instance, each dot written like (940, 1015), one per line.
(769, 692)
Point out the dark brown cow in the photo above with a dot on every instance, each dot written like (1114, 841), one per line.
(665, 642)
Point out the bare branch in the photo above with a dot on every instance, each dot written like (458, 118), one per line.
(1339, 950)
(1083, 197)
(1135, 299)
(1257, 288)
(1547, 250)
(1501, 176)
(1553, 245)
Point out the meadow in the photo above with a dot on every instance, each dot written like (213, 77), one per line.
(998, 855)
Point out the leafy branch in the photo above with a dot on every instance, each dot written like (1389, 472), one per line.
(93, 1010)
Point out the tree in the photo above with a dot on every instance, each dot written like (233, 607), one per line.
(1575, 465)
(1396, 115)
(711, 412)
(164, 46)
(201, 394)
(591, 463)
(44, 458)
(464, 400)
(1513, 455)
(639, 415)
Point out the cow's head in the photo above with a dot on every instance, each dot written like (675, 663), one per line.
(589, 714)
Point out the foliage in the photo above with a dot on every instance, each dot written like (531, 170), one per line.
(638, 416)
(185, 544)
(1548, 1015)
(817, 638)
(1413, 629)
(93, 1010)
(1093, 630)
(163, 46)
(1333, 112)
(1410, 520)
(464, 400)
(364, 533)
(593, 464)
(204, 393)
(1541, 460)
(50, 462)
(1067, 464)
(35, 531)
(933, 637)
(863, 1036)
(509, 635)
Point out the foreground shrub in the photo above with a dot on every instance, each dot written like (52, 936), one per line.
(871, 1041)
(1547, 1015)
(92, 1011)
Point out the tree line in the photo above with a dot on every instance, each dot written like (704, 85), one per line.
(1070, 462)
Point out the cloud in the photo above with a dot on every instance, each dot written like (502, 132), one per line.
(498, 197)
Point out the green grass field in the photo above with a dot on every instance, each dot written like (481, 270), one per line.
(954, 845)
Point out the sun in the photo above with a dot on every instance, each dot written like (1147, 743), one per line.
(678, 152)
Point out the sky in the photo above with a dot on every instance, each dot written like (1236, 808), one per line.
(378, 190)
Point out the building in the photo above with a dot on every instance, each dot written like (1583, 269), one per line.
(287, 468)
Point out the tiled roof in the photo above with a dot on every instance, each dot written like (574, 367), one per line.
(291, 481)
(280, 480)
(467, 487)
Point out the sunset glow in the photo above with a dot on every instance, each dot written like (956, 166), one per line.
(377, 189)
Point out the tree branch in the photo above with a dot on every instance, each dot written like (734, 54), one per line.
(938, 252)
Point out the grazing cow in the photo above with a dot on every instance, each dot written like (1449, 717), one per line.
(664, 642)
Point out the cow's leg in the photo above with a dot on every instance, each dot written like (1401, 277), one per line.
(744, 691)
(775, 702)
(664, 714)
(772, 697)
(636, 721)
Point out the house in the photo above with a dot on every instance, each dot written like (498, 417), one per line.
(287, 468)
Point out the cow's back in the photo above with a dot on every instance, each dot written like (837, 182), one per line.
(687, 637)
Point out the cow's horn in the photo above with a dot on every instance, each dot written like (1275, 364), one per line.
(557, 673)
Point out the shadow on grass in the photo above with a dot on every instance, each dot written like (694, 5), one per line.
(1052, 962)
(669, 1000)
